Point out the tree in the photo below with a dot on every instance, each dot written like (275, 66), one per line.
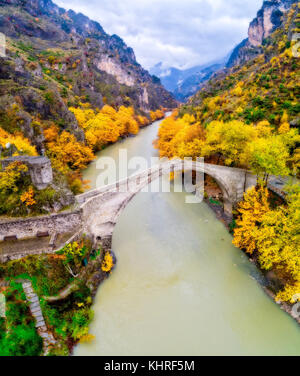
(251, 212)
(22, 144)
(28, 197)
(169, 128)
(11, 178)
(268, 156)
(66, 152)
(107, 263)
(101, 130)
(278, 244)
(229, 140)
(156, 115)
(126, 121)
(83, 115)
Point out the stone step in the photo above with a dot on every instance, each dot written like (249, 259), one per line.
(30, 294)
(40, 323)
(35, 305)
(48, 337)
(38, 316)
(36, 311)
(34, 299)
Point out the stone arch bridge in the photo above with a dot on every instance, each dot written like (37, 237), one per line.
(102, 207)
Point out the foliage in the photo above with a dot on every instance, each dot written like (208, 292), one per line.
(18, 197)
(74, 255)
(68, 156)
(268, 156)
(251, 211)
(231, 143)
(108, 262)
(69, 318)
(249, 115)
(20, 337)
(274, 235)
(107, 125)
(229, 140)
(21, 145)
(28, 197)
(65, 151)
(156, 115)
(180, 138)
(278, 244)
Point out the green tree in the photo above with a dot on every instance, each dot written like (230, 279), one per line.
(268, 156)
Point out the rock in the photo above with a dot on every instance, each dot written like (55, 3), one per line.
(40, 169)
(268, 18)
(103, 63)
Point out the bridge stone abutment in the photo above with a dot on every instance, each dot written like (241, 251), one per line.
(233, 183)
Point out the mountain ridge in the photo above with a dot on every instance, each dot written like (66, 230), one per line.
(183, 83)
(47, 26)
(268, 19)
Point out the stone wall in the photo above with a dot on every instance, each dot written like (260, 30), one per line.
(29, 227)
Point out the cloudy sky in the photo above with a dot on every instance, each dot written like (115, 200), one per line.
(180, 33)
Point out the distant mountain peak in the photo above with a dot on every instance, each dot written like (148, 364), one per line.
(183, 83)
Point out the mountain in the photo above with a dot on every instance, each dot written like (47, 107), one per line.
(57, 59)
(183, 83)
(248, 117)
(262, 89)
(268, 19)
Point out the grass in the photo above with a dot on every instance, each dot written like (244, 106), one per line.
(68, 318)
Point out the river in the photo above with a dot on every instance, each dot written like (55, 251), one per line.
(180, 287)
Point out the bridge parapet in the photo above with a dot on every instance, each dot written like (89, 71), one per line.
(233, 181)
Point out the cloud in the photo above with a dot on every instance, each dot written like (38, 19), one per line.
(176, 32)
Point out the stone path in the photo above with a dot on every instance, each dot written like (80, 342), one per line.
(36, 312)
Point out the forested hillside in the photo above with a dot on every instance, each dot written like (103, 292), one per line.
(67, 89)
(248, 117)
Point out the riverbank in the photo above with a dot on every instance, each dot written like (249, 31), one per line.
(177, 261)
(269, 282)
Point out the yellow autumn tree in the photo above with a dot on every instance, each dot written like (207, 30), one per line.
(107, 263)
(126, 121)
(278, 244)
(156, 115)
(22, 144)
(251, 212)
(66, 152)
(110, 111)
(10, 178)
(229, 140)
(100, 131)
(142, 121)
(169, 128)
(28, 197)
(268, 156)
(83, 115)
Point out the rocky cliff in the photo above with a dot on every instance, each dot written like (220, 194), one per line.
(268, 19)
(56, 59)
(262, 89)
